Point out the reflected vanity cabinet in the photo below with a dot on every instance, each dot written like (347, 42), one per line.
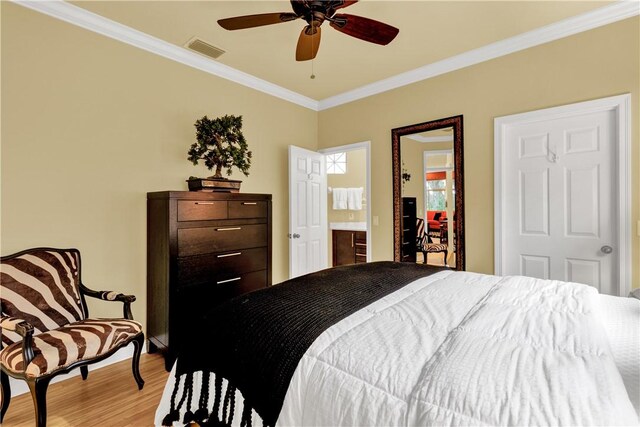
(408, 231)
(202, 249)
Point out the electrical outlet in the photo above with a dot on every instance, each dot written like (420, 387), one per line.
(376, 220)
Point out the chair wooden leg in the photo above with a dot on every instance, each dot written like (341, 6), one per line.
(84, 371)
(135, 363)
(6, 394)
(38, 389)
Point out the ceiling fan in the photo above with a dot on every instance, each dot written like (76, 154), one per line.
(315, 12)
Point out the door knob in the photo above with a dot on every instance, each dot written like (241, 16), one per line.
(606, 249)
(294, 236)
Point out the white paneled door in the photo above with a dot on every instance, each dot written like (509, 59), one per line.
(307, 211)
(559, 199)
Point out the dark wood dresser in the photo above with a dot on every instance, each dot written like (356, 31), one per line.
(202, 249)
(409, 234)
(349, 247)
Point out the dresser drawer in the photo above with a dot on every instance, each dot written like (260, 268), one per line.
(199, 210)
(202, 268)
(247, 209)
(203, 240)
(196, 300)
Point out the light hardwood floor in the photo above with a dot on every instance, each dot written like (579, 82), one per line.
(109, 397)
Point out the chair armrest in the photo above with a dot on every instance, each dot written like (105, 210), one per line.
(25, 330)
(19, 326)
(112, 296)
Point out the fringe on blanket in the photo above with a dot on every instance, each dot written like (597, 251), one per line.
(221, 414)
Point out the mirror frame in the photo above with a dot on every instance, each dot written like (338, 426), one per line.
(458, 154)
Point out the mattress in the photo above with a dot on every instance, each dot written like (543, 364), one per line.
(313, 390)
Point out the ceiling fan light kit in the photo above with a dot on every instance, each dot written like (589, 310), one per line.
(315, 12)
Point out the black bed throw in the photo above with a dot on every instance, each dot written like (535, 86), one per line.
(259, 338)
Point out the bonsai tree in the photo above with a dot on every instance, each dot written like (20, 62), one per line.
(220, 144)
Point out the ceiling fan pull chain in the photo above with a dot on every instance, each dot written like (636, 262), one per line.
(313, 76)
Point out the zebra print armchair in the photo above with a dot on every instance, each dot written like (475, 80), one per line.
(45, 323)
(426, 246)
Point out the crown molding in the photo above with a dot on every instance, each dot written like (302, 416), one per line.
(99, 24)
(90, 21)
(567, 27)
(421, 138)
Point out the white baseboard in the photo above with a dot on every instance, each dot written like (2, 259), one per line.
(19, 387)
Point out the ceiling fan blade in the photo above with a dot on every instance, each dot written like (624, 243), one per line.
(308, 44)
(364, 28)
(250, 21)
(344, 3)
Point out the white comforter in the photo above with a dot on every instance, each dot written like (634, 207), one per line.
(461, 348)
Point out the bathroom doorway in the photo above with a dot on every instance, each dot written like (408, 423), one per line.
(348, 203)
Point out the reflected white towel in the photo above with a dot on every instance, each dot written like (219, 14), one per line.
(339, 198)
(354, 198)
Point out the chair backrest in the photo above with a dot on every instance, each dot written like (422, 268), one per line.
(420, 234)
(41, 286)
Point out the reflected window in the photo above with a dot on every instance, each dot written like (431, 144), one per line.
(337, 163)
(437, 194)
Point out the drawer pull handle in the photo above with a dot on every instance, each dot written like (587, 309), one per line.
(229, 229)
(361, 244)
(233, 254)
(361, 254)
(249, 203)
(228, 280)
(204, 203)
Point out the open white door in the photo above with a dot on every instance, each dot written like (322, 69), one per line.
(307, 211)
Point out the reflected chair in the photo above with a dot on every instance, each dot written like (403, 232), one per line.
(425, 245)
(46, 328)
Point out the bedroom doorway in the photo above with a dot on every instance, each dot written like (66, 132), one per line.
(562, 194)
(439, 191)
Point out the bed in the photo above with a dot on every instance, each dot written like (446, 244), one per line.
(436, 347)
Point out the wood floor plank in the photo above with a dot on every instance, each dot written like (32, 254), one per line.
(109, 397)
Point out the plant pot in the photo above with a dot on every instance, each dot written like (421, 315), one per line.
(221, 185)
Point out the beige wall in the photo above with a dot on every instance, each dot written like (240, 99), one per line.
(590, 65)
(412, 155)
(90, 125)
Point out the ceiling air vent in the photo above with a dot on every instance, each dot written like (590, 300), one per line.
(204, 48)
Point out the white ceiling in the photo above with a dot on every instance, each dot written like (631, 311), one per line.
(430, 31)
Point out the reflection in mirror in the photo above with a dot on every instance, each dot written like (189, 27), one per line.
(428, 168)
(428, 226)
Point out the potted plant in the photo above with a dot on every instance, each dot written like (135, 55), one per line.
(221, 145)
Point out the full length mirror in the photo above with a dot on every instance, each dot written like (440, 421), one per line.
(428, 193)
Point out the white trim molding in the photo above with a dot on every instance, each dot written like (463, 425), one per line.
(93, 22)
(90, 21)
(621, 106)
